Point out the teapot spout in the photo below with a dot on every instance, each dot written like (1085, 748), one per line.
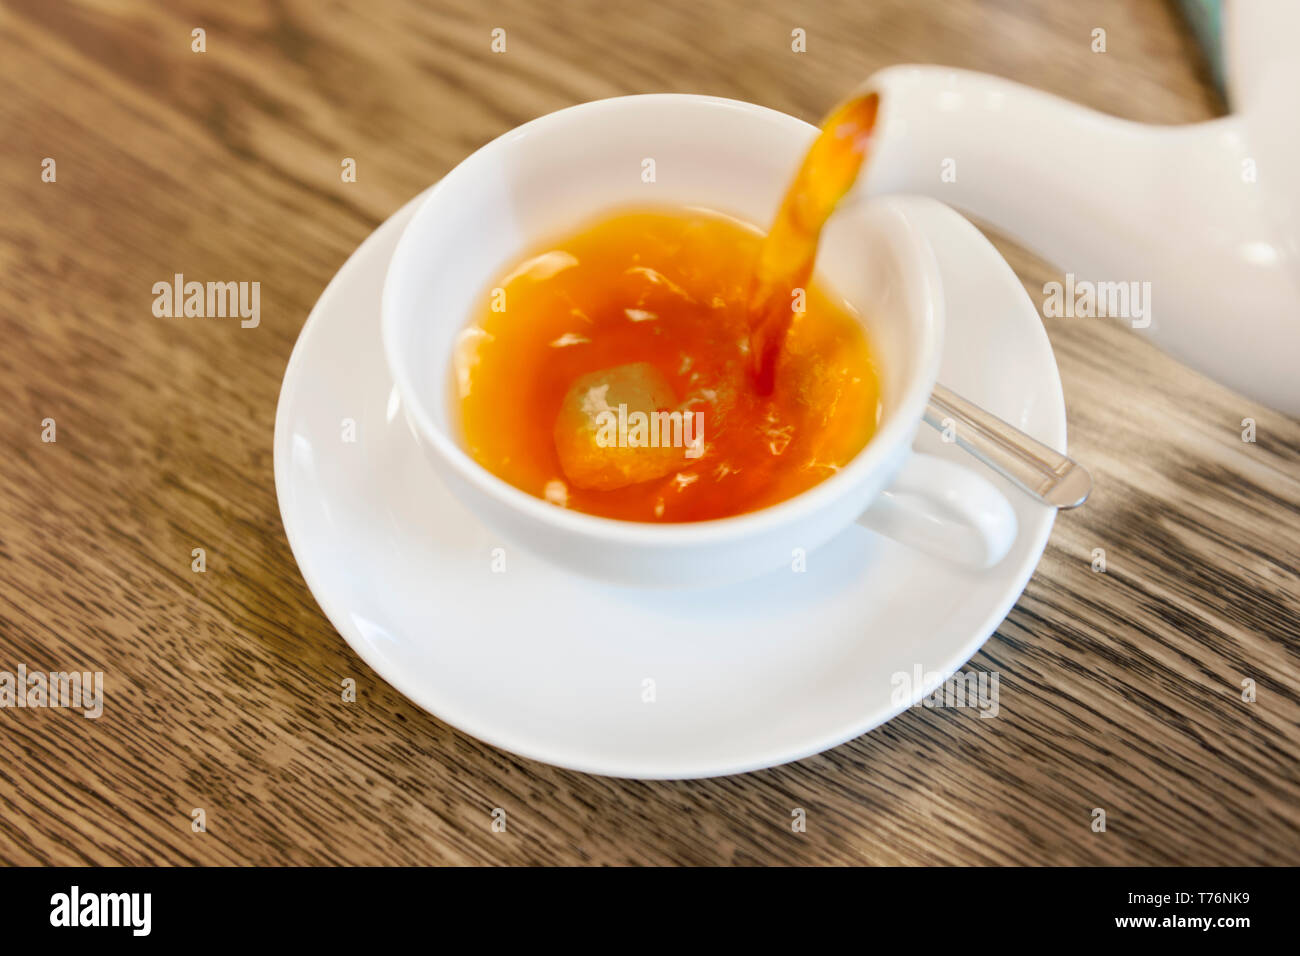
(1174, 211)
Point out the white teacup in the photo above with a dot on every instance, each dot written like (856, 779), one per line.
(568, 167)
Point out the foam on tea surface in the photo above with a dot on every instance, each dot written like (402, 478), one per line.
(594, 429)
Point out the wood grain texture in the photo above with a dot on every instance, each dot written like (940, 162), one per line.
(1119, 690)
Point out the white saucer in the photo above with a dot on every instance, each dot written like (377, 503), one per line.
(555, 667)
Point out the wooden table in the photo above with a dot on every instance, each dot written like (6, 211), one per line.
(1120, 691)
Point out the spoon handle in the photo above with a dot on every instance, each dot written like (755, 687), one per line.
(1046, 474)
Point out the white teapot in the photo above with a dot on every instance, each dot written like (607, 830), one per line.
(1194, 229)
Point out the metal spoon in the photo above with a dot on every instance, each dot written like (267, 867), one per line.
(1046, 474)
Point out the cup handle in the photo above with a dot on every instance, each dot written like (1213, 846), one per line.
(939, 507)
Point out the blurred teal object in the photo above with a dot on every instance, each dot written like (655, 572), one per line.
(1206, 20)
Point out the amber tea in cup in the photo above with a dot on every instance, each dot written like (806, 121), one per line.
(647, 310)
